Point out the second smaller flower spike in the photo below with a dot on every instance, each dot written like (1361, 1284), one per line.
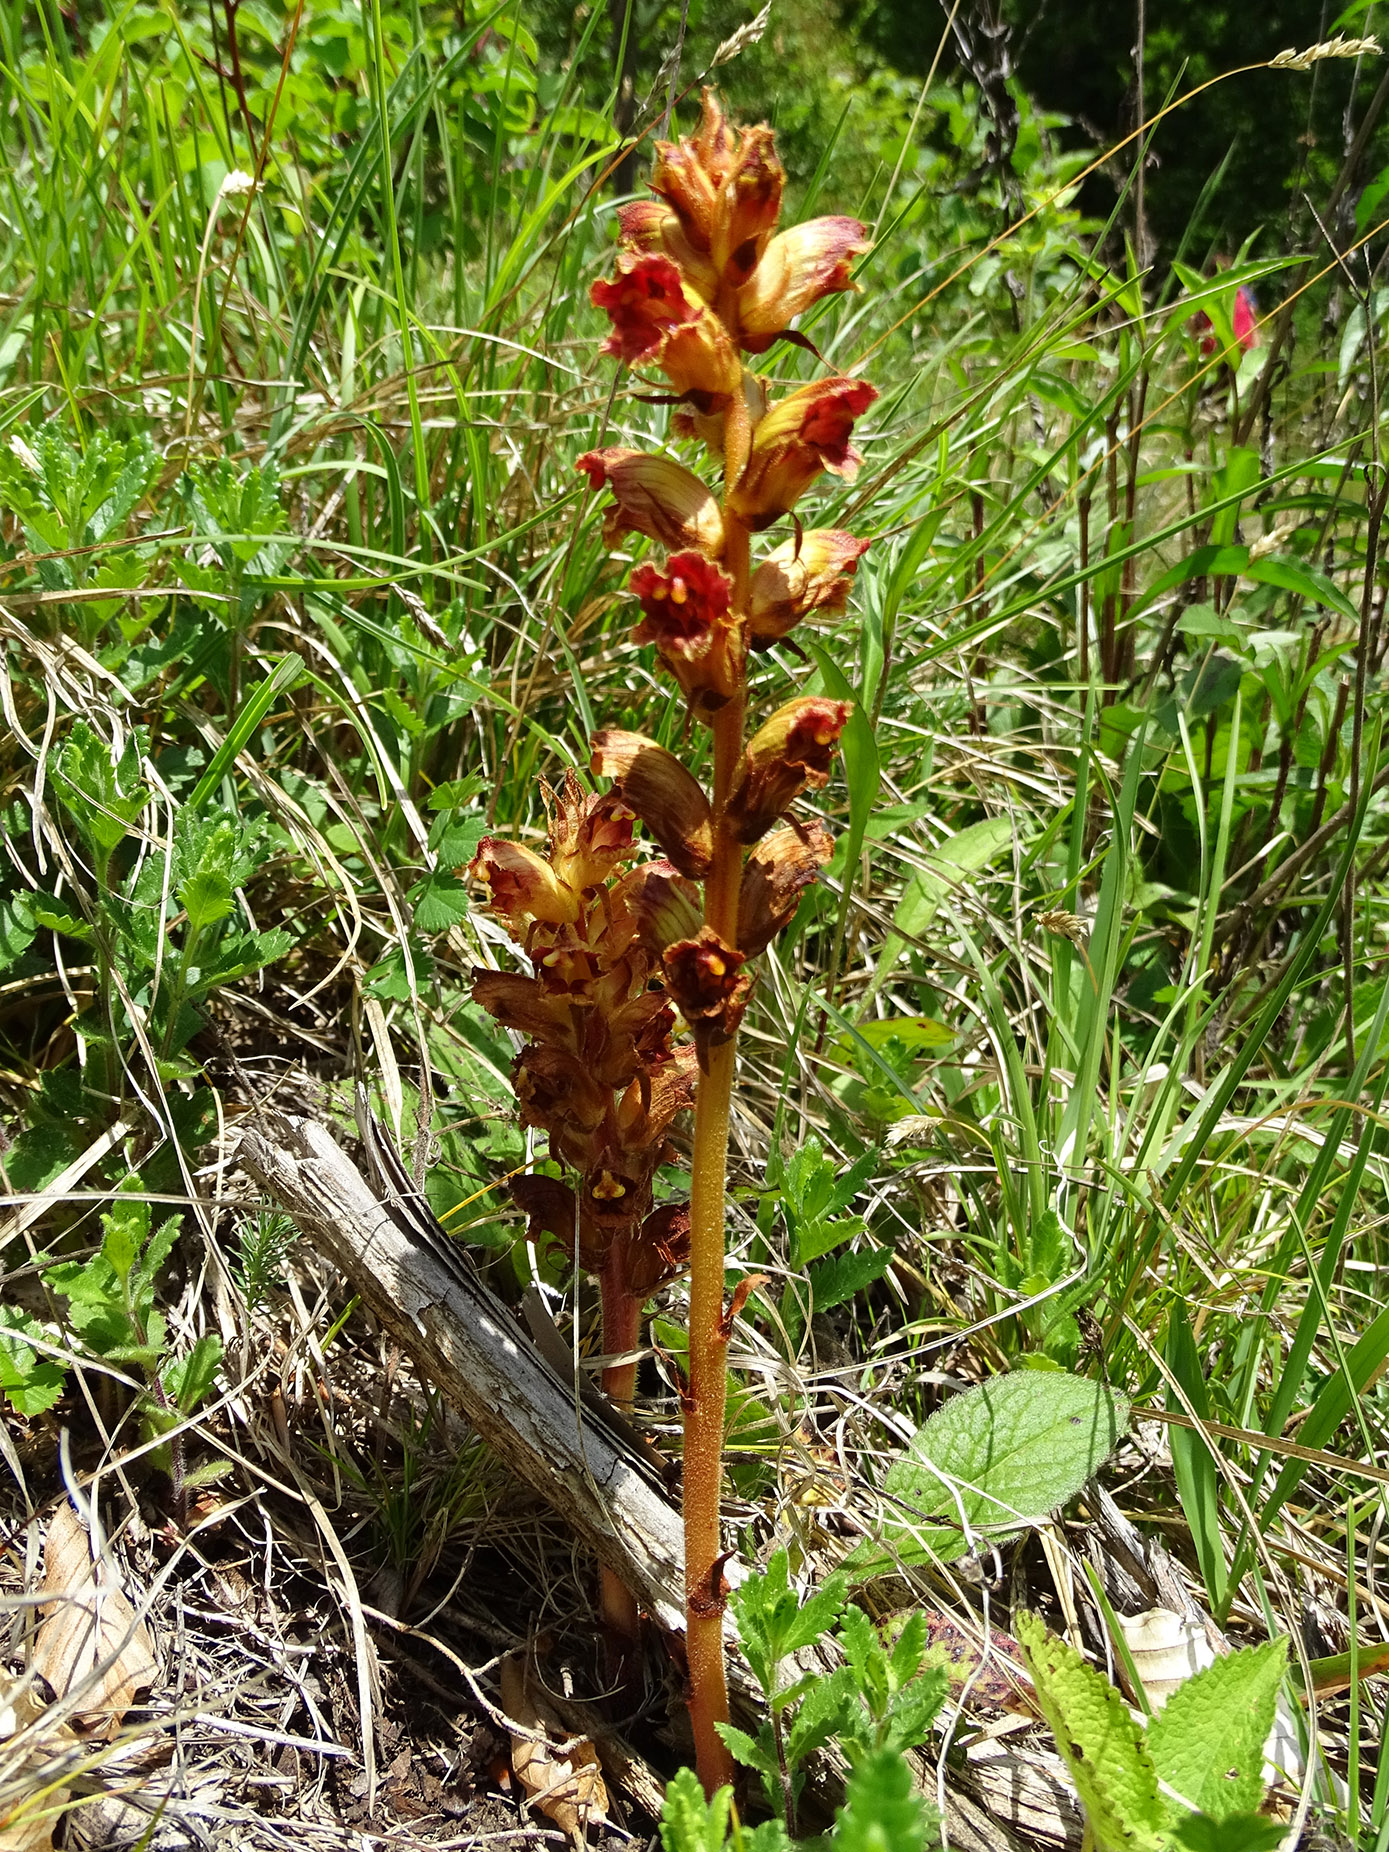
(656, 497)
(790, 753)
(687, 614)
(666, 797)
(802, 434)
(810, 573)
(797, 268)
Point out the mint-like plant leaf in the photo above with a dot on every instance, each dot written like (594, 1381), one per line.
(1208, 1740)
(1105, 1750)
(993, 1459)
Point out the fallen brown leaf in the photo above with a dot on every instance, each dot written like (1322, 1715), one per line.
(567, 1786)
(89, 1640)
(27, 1818)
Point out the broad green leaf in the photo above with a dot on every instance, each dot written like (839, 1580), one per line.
(997, 1457)
(29, 1382)
(440, 901)
(1104, 1749)
(1208, 1740)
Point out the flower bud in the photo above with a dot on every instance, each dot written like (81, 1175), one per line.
(686, 613)
(751, 205)
(777, 873)
(798, 267)
(810, 573)
(791, 752)
(521, 886)
(704, 976)
(689, 174)
(666, 797)
(806, 432)
(656, 497)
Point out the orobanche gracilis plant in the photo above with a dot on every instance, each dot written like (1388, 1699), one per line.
(620, 949)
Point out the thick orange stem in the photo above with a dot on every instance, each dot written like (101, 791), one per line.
(704, 1416)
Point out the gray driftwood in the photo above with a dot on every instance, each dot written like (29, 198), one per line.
(465, 1341)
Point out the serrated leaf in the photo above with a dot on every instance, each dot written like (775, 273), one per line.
(30, 1383)
(689, 1823)
(206, 897)
(1208, 1740)
(997, 1458)
(440, 901)
(1242, 1832)
(834, 1281)
(59, 916)
(880, 1811)
(1104, 1749)
(18, 927)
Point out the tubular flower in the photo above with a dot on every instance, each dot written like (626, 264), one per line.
(666, 797)
(705, 976)
(811, 573)
(656, 497)
(521, 887)
(777, 873)
(804, 433)
(658, 321)
(664, 905)
(650, 225)
(686, 614)
(798, 267)
(790, 752)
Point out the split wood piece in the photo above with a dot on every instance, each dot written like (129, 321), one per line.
(423, 1290)
(420, 1285)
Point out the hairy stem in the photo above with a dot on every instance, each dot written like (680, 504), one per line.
(704, 1415)
(621, 1335)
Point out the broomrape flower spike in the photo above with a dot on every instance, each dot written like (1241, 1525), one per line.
(624, 952)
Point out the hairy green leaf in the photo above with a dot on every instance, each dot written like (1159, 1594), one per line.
(1208, 1740)
(1104, 1749)
(991, 1460)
